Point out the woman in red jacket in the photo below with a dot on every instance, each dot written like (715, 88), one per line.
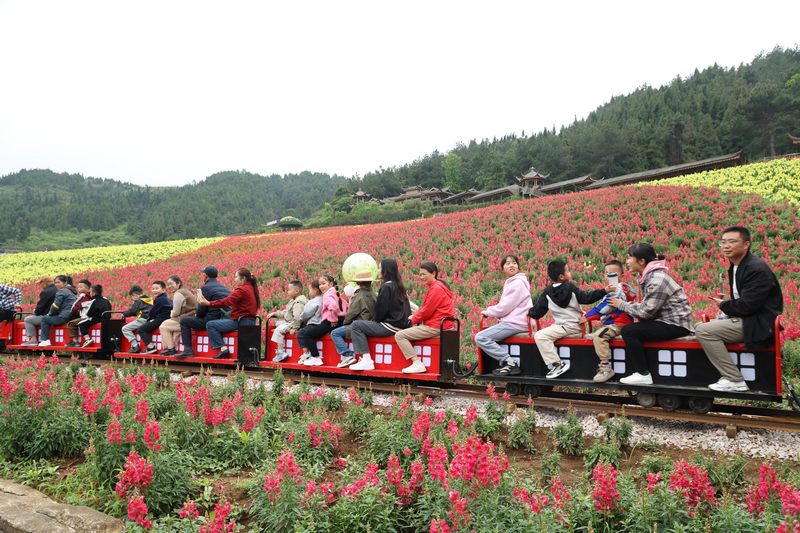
(426, 321)
(244, 303)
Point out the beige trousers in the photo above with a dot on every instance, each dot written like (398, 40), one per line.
(546, 337)
(170, 332)
(713, 336)
(601, 340)
(404, 337)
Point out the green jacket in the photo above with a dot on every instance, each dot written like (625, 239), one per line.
(362, 306)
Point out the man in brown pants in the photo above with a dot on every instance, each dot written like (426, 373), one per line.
(756, 300)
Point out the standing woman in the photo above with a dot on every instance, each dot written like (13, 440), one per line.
(512, 312)
(184, 303)
(244, 302)
(61, 310)
(392, 310)
(332, 312)
(664, 312)
(426, 322)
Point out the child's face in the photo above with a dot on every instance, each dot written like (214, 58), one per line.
(324, 284)
(566, 276)
(510, 267)
(613, 269)
(156, 289)
(292, 292)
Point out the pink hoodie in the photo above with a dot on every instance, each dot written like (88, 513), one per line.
(330, 306)
(514, 302)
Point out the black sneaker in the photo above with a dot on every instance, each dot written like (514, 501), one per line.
(154, 349)
(184, 354)
(223, 353)
(508, 369)
(168, 351)
(135, 348)
(73, 344)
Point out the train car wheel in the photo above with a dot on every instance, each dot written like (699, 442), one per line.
(534, 391)
(700, 405)
(513, 388)
(646, 399)
(669, 402)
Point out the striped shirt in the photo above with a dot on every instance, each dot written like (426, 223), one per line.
(10, 297)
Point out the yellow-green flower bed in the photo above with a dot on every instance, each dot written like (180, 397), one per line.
(21, 267)
(776, 180)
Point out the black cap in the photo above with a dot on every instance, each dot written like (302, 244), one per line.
(210, 271)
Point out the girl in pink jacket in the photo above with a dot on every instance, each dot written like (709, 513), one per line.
(512, 311)
(333, 311)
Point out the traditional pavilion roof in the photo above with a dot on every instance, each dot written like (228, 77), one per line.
(533, 174)
(469, 193)
(711, 163)
(795, 140)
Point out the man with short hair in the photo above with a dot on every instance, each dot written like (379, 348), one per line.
(756, 300)
(212, 290)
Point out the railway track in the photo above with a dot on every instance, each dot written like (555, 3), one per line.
(730, 416)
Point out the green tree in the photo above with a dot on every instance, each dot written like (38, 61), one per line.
(453, 172)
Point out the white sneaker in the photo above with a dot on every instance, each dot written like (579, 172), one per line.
(313, 361)
(44, 344)
(726, 385)
(303, 357)
(364, 364)
(280, 356)
(637, 379)
(557, 370)
(347, 361)
(416, 367)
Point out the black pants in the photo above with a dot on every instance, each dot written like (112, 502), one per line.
(307, 336)
(188, 323)
(146, 331)
(7, 315)
(647, 331)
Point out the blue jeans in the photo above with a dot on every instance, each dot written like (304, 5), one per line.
(338, 336)
(57, 320)
(216, 328)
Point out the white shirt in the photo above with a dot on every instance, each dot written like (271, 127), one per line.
(734, 287)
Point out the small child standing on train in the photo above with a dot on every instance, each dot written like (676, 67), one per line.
(612, 320)
(563, 299)
(288, 318)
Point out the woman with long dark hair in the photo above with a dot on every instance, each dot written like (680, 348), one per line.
(425, 323)
(392, 310)
(244, 302)
(664, 312)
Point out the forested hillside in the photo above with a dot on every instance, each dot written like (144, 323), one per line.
(713, 112)
(43, 205)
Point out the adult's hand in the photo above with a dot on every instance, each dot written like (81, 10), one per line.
(615, 302)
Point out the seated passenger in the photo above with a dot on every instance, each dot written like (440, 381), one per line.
(212, 290)
(46, 298)
(750, 313)
(10, 299)
(244, 302)
(288, 318)
(612, 320)
(162, 308)
(78, 312)
(362, 307)
(61, 309)
(392, 310)
(332, 313)
(664, 312)
(184, 304)
(563, 299)
(512, 313)
(140, 309)
(426, 322)
(94, 314)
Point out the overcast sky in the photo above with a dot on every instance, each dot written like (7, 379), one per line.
(166, 92)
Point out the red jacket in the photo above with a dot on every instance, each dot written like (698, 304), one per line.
(437, 305)
(242, 302)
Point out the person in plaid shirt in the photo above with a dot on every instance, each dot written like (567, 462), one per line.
(664, 312)
(10, 299)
